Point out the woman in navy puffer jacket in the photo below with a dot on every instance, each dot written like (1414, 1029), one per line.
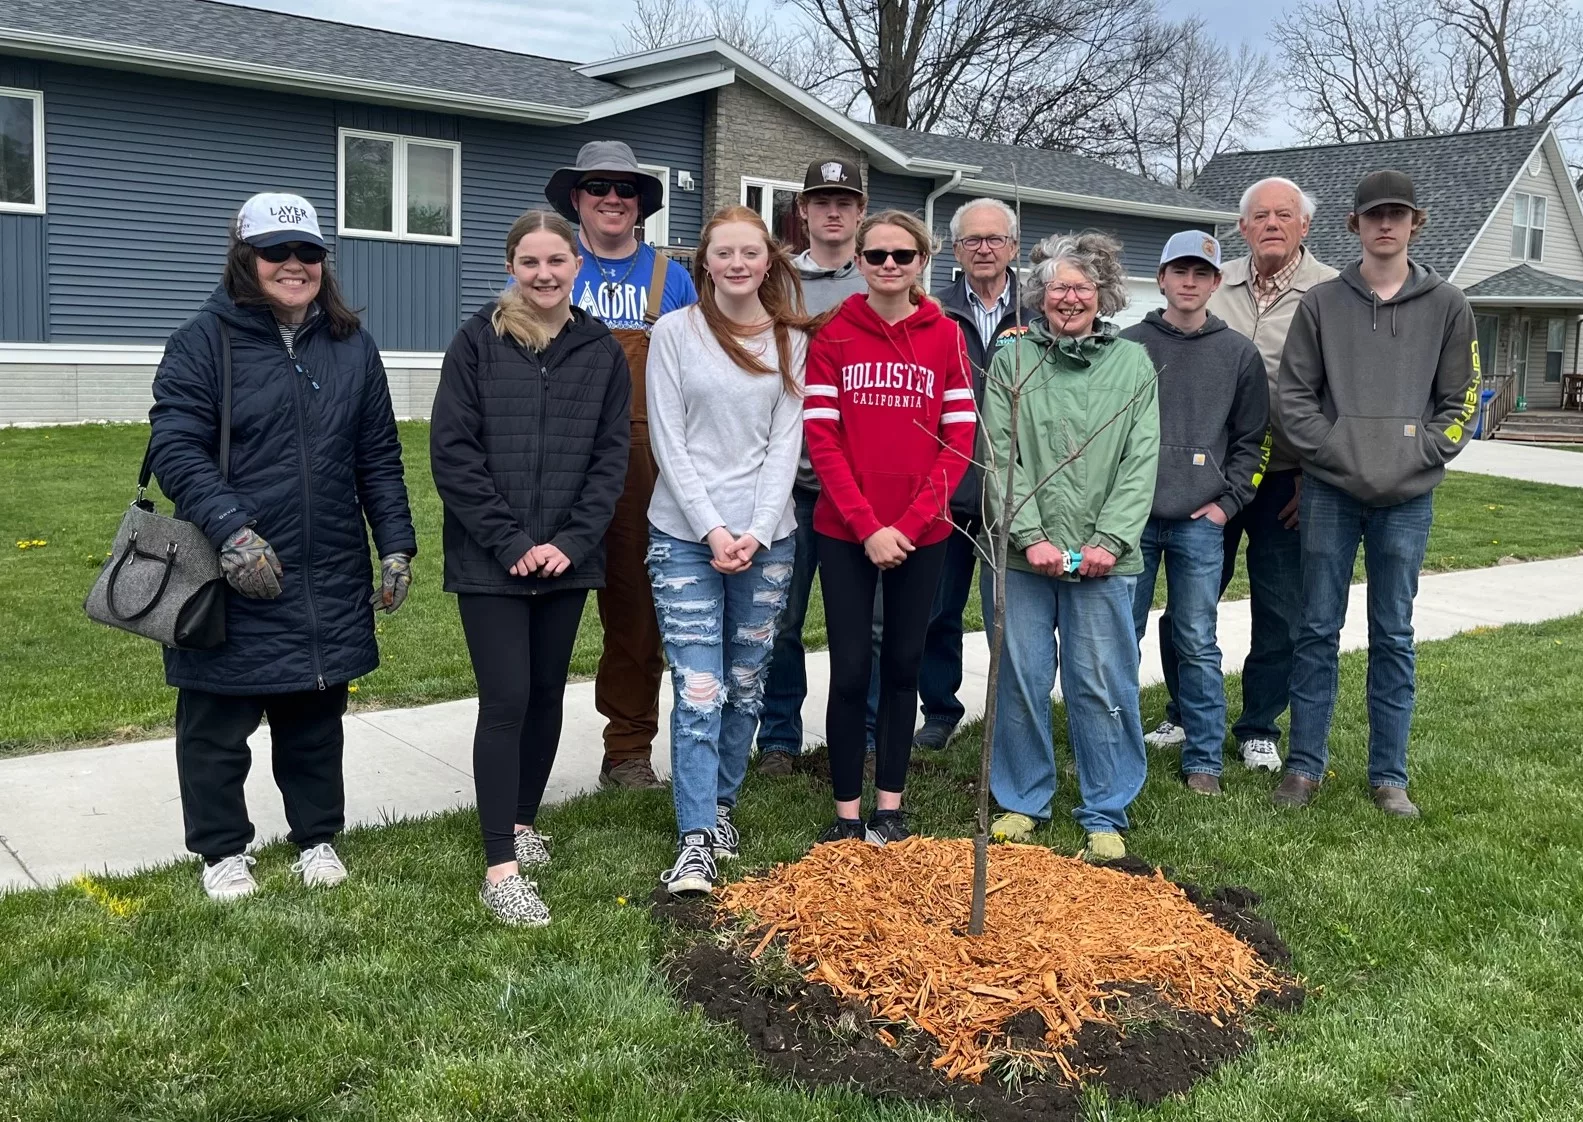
(314, 453)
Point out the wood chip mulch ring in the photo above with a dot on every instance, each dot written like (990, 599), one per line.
(887, 927)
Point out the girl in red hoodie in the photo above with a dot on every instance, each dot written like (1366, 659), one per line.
(889, 422)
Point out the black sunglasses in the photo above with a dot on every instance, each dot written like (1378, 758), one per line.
(306, 252)
(876, 257)
(599, 188)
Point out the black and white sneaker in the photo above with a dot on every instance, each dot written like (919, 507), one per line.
(532, 847)
(515, 902)
(842, 829)
(886, 826)
(694, 870)
(728, 842)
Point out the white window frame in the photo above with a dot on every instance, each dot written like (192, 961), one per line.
(770, 186)
(37, 205)
(398, 175)
(658, 233)
(1528, 226)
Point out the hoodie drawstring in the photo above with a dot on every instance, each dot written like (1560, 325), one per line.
(1374, 302)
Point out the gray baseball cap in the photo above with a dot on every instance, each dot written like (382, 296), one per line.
(1191, 243)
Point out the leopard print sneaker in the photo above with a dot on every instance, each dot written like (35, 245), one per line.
(515, 902)
(533, 848)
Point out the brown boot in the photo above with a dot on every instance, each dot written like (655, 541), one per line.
(1293, 791)
(1202, 783)
(775, 764)
(633, 775)
(1394, 801)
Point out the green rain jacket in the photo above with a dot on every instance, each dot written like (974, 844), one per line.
(1099, 390)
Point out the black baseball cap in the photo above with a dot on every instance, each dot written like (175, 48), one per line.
(1383, 188)
(833, 175)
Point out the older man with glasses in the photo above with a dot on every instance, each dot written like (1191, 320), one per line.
(983, 301)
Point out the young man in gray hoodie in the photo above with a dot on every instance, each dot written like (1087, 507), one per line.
(1214, 408)
(1378, 381)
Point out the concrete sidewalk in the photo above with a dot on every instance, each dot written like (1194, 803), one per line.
(116, 808)
(1521, 461)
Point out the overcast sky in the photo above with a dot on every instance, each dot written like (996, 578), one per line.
(586, 31)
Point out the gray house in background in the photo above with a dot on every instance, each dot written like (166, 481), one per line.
(1505, 226)
(130, 132)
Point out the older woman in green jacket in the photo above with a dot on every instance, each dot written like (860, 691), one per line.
(1082, 483)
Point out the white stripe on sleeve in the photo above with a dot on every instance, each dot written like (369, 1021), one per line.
(958, 395)
(819, 389)
(956, 418)
(825, 414)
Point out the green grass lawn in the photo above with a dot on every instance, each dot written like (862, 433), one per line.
(1441, 955)
(70, 681)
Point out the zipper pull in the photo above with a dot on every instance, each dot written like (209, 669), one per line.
(321, 676)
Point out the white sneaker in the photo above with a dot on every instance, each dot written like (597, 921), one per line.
(1257, 753)
(230, 879)
(1166, 735)
(320, 867)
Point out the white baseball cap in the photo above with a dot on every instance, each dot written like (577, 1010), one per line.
(272, 218)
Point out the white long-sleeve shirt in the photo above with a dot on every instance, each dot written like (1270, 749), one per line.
(726, 439)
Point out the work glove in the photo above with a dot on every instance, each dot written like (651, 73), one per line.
(395, 577)
(250, 565)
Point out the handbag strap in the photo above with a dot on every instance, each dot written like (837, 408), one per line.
(145, 473)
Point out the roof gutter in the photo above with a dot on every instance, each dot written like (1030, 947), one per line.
(1096, 202)
(1525, 301)
(928, 202)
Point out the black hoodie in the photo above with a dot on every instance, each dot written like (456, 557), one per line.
(1214, 410)
(1375, 395)
(529, 448)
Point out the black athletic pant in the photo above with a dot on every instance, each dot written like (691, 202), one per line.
(847, 577)
(213, 759)
(521, 647)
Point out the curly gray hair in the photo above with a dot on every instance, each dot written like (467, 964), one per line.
(1097, 256)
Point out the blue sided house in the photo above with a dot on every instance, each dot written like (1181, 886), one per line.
(130, 133)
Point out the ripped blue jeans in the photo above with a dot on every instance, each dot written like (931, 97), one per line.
(718, 631)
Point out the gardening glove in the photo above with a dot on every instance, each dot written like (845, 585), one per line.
(395, 577)
(250, 565)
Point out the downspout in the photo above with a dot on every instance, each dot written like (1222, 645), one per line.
(928, 202)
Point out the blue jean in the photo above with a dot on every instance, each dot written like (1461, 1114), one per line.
(1099, 681)
(1275, 593)
(1193, 550)
(718, 631)
(1394, 539)
(940, 676)
(780, 729)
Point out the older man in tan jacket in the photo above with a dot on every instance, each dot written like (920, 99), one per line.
(1258, 297)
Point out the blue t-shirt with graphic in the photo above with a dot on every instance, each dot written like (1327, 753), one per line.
(616, 290)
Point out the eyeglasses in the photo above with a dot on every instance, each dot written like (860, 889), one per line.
(1081, 291)
(306, 252)
(986, 241)
(877, 257)
(599, 188)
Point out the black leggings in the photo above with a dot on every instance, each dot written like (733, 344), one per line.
(847, 578)
(521, 647)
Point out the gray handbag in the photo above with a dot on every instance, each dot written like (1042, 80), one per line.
(162, 580)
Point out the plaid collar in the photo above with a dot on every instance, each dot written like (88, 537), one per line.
(1266, 289)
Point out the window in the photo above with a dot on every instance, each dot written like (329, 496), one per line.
(1528, 227)
(1555, 344)
(399, 187)
(776, 203)
(21, 151)
(657, 227)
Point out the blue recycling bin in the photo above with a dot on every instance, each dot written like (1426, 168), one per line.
(1485, 397)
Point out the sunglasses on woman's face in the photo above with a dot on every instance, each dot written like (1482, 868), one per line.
(599, 188)
(877, 257)
(306, 252)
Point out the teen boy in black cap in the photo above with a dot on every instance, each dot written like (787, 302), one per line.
(1378, 381)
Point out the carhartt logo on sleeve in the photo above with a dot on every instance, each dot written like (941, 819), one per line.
(1198, 459)
(1409, 430)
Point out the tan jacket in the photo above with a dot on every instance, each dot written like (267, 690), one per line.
(1233, 302)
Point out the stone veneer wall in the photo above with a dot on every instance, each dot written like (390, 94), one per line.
(747, 132)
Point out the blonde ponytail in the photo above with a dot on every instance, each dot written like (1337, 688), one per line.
(514, 315)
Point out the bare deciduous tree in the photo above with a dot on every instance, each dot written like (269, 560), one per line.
(794, 49)
(1532, 52)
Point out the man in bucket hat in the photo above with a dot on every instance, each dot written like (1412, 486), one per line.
(628, 285)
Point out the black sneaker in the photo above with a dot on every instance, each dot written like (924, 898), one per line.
(886, 826)
(694, 870)
(934, 735)
(842, 829)
(728, 842)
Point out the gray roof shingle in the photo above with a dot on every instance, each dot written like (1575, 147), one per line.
(1058, 171)
(249, 35)
(1458, 177)
(1524, 282)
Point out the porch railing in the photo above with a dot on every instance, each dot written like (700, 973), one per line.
(1494, 411)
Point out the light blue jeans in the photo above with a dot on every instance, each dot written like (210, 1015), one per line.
(1099, 681)
(718, 632)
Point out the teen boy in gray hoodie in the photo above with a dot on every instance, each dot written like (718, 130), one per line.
(1214, 408)
(1378, 382)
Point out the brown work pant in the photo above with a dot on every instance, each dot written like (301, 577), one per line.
(627, 690)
